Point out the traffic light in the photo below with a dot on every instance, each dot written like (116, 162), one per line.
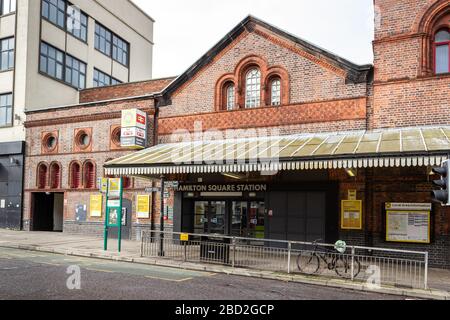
(442, 195)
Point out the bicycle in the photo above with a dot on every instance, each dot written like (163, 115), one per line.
(308, 262)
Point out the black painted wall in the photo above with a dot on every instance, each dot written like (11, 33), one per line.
(11, 185)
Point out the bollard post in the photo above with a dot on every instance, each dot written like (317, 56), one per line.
(353, 264)
(289, 257)
(425, 278)
(233, 263)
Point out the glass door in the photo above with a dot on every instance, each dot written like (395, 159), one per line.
(217, 217)
(239, 219)
(256, 221)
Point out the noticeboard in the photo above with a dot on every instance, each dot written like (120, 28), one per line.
(114, 188)
(143, 206)
(351, 215)
(96, 206)
(408, 226)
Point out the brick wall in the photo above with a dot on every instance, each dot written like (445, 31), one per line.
(310, 81)
(308, 115)
(406, 91)
(99, 118)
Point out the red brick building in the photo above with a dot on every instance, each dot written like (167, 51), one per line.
(269, 136)
(339, 128)
(65, 153)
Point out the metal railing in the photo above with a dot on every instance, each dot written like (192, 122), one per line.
(372, 266)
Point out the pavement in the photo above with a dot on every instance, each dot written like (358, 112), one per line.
(91, 247)
(28, 275)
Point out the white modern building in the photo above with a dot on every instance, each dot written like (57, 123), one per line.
(50, 49)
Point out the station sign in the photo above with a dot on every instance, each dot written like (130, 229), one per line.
(134, 129)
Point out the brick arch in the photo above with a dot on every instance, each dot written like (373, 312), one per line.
(89, 174)
(55, 177)
(71, 182)
(42, 176)
(283, 75)
(240, 73)
(426, 25)
(220, 94)
(428, 16)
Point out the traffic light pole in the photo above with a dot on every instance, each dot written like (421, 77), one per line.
(161, 219)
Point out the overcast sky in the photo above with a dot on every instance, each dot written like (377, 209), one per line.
(186, 29)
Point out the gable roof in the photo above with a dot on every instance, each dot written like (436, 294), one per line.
(355, 73)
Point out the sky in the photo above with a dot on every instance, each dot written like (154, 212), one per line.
(186, 29)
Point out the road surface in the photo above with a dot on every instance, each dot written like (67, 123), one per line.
(26, 275)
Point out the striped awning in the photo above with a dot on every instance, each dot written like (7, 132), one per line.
(409, 147)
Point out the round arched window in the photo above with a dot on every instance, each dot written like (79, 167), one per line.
(116, 136)
(83, 140)
(50, 142)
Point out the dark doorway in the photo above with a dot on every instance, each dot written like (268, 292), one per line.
(48, 212)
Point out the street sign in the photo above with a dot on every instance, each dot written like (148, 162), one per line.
(152, 189)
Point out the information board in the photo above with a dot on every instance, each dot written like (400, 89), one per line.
(408, 226)
(96, 206)
(351, 215)
(143, 207)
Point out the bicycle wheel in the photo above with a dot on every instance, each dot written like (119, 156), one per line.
(343, 268)
(308, 263)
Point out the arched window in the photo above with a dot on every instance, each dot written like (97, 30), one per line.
(230, 96)
(89, 175)
(55, 176)
(42, 176)
(442, 51)
(253, 89)
(75, 175)
(275, 92)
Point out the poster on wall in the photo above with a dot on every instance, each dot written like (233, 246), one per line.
(96, 206)
(351, 215)
(408, 226)
(143, 207)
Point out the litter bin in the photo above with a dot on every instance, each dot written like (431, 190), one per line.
(215, 249)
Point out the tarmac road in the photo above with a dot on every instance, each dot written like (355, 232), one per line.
(26, 275)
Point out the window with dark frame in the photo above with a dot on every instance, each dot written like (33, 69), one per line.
(442, 51)
(6, 54)
(6, 109)
(75, 72)
(77, 23)
(55, 12)
(52, 61)
(7, 6)
(103, 38)
(111, 44)
(61, 66)
(120, 50)
(101, 79)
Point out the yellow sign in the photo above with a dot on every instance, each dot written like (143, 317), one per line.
(184, 237)
(143, 207)
(114, 188)
(96, 206)
(351, 215)
(352, 195)
(104, 185)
